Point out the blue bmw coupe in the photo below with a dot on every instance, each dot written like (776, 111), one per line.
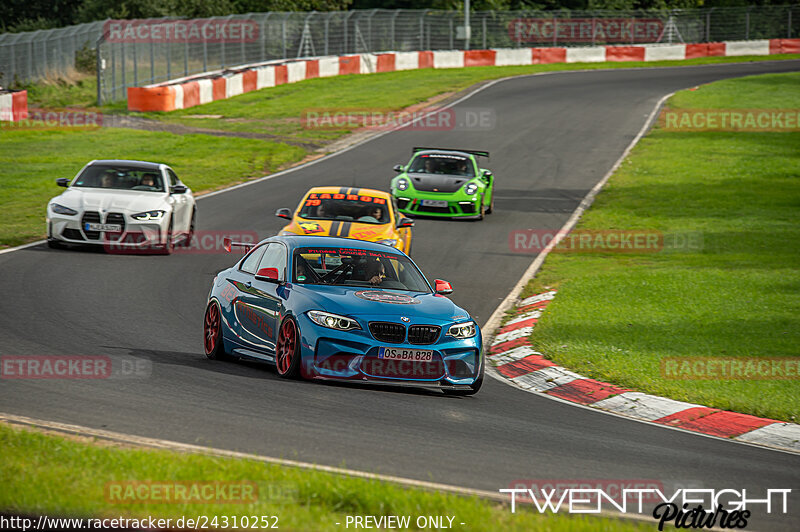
(342, 309)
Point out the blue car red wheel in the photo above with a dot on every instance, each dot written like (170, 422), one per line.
(212, 332)
(287, 349)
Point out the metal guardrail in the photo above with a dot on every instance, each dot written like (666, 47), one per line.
(141, 52)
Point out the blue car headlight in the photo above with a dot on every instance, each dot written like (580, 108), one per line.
(402, 183)
(333, 321)
(462, 330)
(60, 209)
(470, 188)
(148, 216)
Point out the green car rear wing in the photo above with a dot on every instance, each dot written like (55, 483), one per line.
(473, 152)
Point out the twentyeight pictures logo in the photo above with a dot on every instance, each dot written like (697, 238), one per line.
(682, 508)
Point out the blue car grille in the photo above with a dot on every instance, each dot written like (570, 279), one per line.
(388, 332)
(423, 334)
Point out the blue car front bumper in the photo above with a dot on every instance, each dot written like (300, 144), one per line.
(354, 356)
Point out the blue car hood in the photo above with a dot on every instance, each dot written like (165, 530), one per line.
(359, 302)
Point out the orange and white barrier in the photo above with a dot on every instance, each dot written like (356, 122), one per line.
(181, 94)
(13, 106)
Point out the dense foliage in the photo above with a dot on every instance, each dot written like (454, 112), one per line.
(27, 15)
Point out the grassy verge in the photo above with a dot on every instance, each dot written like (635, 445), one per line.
(55, 476)
(618, 315)
(278, 110)
(33, 159)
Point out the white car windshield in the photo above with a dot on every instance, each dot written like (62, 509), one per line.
(120, 177)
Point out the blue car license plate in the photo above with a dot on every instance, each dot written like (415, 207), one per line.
(398, 353)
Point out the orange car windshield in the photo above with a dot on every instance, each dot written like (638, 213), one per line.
(345, 207)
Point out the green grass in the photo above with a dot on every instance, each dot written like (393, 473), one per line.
(33, 159)
(616, 316)
(44, 474)
(278, 110)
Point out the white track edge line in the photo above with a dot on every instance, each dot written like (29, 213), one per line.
(155, 443)
(494, 320)
(469, 95)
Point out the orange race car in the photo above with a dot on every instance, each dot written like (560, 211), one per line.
(350, 212)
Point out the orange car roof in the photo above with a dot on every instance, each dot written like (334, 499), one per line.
(350, 190)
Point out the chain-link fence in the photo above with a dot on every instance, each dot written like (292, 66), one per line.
(47, 54)
(140, 52)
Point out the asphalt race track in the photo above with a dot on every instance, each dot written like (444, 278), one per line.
(555, 136)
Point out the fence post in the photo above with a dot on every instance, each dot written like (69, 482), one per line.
(789, 28)
(483, 23)
(397, 12)
(185, 55)
(422, 31)
(135, 67)
(98, 67)
(152, 61)
(747, 24)
(555, 29)
(241, 45)
(205, 50)
(264, 37)
(451, 34)
(327, 31)
(283, 35)
(370, 48)
(708, 25)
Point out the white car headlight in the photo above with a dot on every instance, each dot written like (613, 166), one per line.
(470, 188)
(387, 242)
(332, 321)
(462, 330)
(60, 209)
(402, 183)
(148, 216)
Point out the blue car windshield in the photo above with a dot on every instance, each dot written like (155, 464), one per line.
(358, 268)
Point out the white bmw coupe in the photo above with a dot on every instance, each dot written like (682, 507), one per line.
(122, 205)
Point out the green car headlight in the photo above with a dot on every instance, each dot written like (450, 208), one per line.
(470, 188)
(402, 183)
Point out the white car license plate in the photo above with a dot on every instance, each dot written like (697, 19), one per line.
(434, 203)
(414, 355)
(113, 228)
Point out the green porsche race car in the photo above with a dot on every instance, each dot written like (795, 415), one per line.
(444, 182)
